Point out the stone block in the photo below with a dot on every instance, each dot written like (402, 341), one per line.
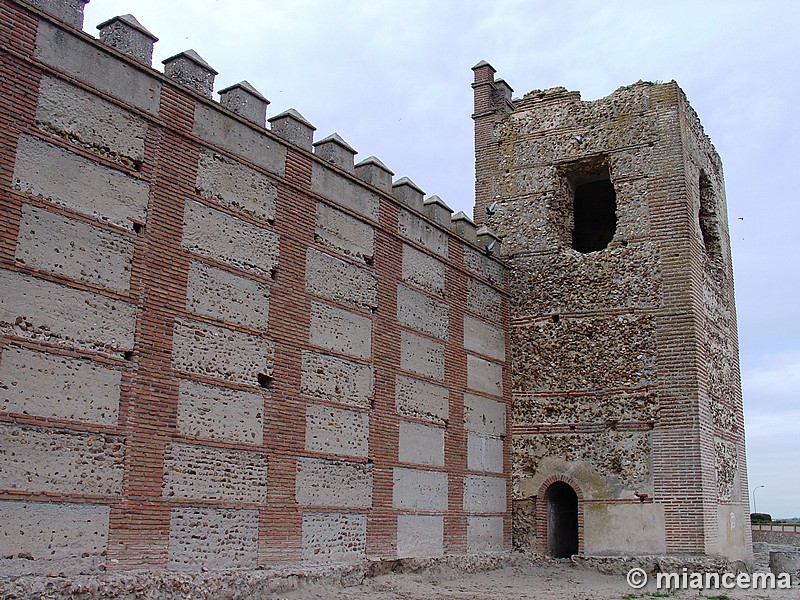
(339, 280)
(294, 128)
(484, 300)
(336, 379)
(421, 312)
(478, 263)
(214, 126)
(65, 178)
(344, 233)
(484, 453)
(190, 70)
(484, 376)
(637, 527)
(90, 64)
(484, 534)
(423, 270)
(421, 399)
(207, 411)
(375, 173)
(40, 538)
(212, 538)
(421, 355)
(421, 231)
(212, 233)
(125, 34)
(42, 310)
(337, 431)
(228, 297)
(604, 352)
(74, 249)
(222, 353)
(246, 101)
(420, 536)
(42, 460)
(421, 444)
(335, 150)
(483, 415)
(333, 483)
(484, 494)
(217, 474)
(484, 339)
(96, 124)
(236, 185)
(58, 387)
(340, 330)
(344, 191)
(334, 537)
(419, 490)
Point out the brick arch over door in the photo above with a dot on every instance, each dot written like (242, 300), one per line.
(541, 518)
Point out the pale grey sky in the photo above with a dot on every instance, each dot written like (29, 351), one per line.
(393, 79)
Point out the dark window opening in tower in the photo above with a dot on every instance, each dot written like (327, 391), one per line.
(708, 218)
(595, 211)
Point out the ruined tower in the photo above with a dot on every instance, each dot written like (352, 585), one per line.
(627, 425)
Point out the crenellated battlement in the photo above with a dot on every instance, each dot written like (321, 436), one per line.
(128, 36)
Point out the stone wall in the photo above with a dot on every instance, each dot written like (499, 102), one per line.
(224, 345)
(624, 358)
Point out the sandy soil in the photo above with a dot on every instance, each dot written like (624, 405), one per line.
(558, 582)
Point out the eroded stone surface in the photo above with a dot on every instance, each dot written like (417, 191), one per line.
(334, 537)
(222, 353)
(333, 483)
(41, 538)
(223, 295)
(208, 473)
(63, 177)
(208, 411)
(236, 185)
(49, 385)
(337, 431)
(212, 538)
(336, 379)
(74, 249)
(40, 460)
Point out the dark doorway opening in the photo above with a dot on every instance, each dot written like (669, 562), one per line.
(562, 520)
(595, 212)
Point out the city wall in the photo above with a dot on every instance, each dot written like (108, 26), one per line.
(226, 345)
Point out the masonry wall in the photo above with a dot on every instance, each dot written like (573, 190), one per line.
(625, 360)
(223, 346)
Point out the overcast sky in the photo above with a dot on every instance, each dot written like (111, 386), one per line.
(393, 79)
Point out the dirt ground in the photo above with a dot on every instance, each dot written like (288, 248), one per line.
(557, 582)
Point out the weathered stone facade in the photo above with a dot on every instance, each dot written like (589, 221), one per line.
(224, 345)
(624, 344)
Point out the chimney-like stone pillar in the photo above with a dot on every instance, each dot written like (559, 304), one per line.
(488, 240)
(294, 128)
(246, 101)
(464, 227)
(191, 71)
(335, 150)
(69, 11)
(374, 172)
(438, 211)
(127, 35)
(407, 192)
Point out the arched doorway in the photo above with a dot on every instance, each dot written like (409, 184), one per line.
(562, 520)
